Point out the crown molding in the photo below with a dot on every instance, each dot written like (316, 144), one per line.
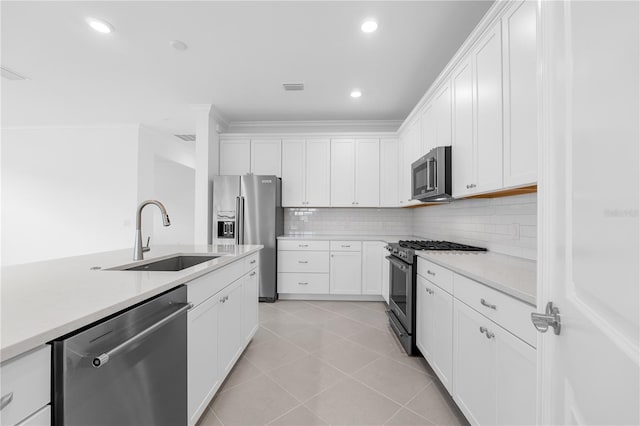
(315, 126)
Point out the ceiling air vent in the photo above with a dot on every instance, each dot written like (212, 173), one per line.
(186, 138)
(293, 87)
(11, 75)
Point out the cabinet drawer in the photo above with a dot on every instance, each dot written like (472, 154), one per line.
(250, 262)
(303, 283)
(346, 246)
(442, 277)
(200, 289)
(41, 418)
(510, 313)
(26, 382)
(303, 261)
(310, 245)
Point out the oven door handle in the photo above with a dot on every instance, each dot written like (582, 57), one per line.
(395, 328)
(400, 264)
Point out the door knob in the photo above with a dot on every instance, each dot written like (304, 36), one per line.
(551, 317)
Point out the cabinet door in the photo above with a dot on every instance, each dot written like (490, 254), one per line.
(410, 152)
(250, 305)
(372, 267)
(422, 316)
(293, 173)
(235, 157)
(386, 279)
(345, 276)
(367, 173)
(202, 355)
(474, 365)
(441, 303)
(230, 339)
(343, 173)
(442, 106)
(318, 173)
(516, 376)
(388, 172)
(403, 172)
(428, 139)
(463, 167)
(520, 94)
(487, 58)
(266, 155)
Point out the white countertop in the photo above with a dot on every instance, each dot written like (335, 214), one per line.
(511, 275)
(346, 237)
(45, 300)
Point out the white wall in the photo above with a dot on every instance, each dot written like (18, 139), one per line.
(167, 173)
(67, 191)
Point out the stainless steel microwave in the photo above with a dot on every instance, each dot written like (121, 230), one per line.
(431, 176)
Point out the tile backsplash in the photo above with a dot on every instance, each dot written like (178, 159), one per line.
(505, 225)
(348, 221)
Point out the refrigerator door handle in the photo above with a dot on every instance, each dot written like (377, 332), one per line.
(240, 219)
(237, 224)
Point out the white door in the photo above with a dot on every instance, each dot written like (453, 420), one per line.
(202, 355)
(403, 171)
(487, 66)
(343, 173)
(389, 172)
(423, 299)
(372, 267)
(442, 105)
(293, 173)
(367, 173)
(463, 167)
(235, 157)
(589, 197)
(318, 173)
(230, 326)
(345, 276)
(441, 304)
(250, 304)
(428, 137)
(266, 155)
(519, 62)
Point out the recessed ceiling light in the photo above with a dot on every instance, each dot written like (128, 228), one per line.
(100, 26)
(178, 45)
(356, 93)
(369, 26)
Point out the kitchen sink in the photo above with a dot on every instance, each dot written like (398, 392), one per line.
(175, 263)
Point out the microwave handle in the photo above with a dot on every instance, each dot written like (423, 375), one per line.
(430, 184)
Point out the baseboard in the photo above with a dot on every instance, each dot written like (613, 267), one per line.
(334, 297)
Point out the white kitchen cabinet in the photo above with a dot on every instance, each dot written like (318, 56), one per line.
(442, 108)
(434, 323)
(519, 61)
(474, 365)
(410, 149)
(250, 298)
(266, 155)
(367, 176)
(230, 338)
(306, 177)
(389, 151)
(202, 351)
(372, 267)
(41, 418)
(462, 161)
(235, 157)
(343, 173)
(487, 66)
(428, 126)
(345, 276)
(386, 279)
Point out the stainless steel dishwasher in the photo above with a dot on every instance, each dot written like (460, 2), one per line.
(130, 369)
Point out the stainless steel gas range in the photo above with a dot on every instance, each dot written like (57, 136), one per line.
(402, 287)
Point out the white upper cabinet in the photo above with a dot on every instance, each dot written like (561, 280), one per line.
(410, 151)
(428, 137)
(389, 150)
(367, 176)
(487, 65)
(235, 157)
(318, 173)
(519, 60)
(343, 173)
(462, 161)
(442, 108)
(265, 157)
(293, 173)
(306, 173)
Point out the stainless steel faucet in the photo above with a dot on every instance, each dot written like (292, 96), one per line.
(138, 248)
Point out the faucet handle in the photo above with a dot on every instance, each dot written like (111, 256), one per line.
(146, 248)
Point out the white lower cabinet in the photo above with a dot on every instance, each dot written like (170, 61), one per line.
(230, 326)
(41, 418)
(250, 289)
(372, 267)
(345, 276)
(386, 279)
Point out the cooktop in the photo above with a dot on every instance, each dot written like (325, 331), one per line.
(437, 245)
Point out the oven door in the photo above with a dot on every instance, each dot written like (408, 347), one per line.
(401, 292)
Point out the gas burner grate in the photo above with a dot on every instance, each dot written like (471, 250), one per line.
(438, 245)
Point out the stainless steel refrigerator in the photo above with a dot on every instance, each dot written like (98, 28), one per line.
(248, 210)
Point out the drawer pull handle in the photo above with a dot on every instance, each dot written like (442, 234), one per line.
(303, 261)
(6, 400)
(303, 283)
(345, 245)
(303, 245)
(487, 304)
(487, 333)
(428, 290)
(252, 274)
(431, 273)
(252, 262)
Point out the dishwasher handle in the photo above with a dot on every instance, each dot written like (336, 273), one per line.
(103, 358)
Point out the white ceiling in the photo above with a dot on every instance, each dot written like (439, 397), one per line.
(239, 55)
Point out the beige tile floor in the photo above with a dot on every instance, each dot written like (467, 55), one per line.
(318, 363)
